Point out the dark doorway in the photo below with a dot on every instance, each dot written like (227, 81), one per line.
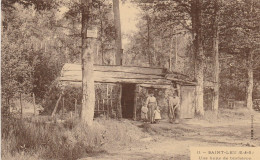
(127, 100)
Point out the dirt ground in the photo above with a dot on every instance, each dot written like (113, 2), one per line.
(173, 141)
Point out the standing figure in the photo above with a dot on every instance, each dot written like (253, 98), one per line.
(174, 107)
(151, 103)
(144, 112)
(157, 114)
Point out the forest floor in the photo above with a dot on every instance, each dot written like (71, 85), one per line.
(173, 141)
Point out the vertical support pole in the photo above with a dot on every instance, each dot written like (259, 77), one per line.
(176, 54)
(107, 102)
(119, 102)
(252, 127)
(178, 90)
(21, 105)
(34, 107)
(56, 106)
(135, 100)
(103, 101)
(170, 60)
(75, 107)
(108, 109)
(62, 108)
(98, 105)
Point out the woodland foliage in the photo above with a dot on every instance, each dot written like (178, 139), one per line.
(38, 37)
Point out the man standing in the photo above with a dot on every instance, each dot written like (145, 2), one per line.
(174, 107)
(151, 103)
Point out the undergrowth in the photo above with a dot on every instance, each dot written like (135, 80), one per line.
(38, 139)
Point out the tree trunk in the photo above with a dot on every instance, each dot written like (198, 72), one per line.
(199, 56)
(118, 57)
(216, 58)
(148, 41)
(249, 99)
(101, 34)
(88, 49)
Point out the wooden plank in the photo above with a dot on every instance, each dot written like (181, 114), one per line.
(123, 80)
(105, 76)
(110, 74)
(155, 86)
(184, 82)
(133, 69)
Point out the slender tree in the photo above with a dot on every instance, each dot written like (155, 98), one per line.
(118, 42)
(216, 55)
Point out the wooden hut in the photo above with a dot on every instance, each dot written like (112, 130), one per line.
(122, 90)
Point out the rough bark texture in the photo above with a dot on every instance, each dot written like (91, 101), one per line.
(199, 56)
(216, 58)
(118, 42)
(88, 48)
(249, 100)
(148, 40)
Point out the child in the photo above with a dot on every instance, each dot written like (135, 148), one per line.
(144, 111)
(157, 114)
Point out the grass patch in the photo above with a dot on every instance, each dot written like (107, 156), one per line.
(226, 115)
(42, 139)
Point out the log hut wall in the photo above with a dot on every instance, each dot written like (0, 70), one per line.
(107, 99)
(108, 86)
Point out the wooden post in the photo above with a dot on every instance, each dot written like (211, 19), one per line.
(103, 101)
(34, 107)
(75, 107)
(119, 101)
(252, 127)
(98, 105)
(62, 111)
(135, 101)
(176, 54)
(56, 106)
(108, 109)
(107, 102)
(21, 105)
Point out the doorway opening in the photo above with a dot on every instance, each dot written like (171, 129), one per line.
(127, 100)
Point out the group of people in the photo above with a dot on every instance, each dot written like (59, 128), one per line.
(150, 112)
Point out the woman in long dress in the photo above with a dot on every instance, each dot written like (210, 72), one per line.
(151, 103)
